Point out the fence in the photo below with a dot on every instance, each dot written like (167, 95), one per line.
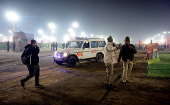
(3, 46)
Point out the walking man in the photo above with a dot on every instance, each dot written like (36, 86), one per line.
(127, 54)
(33, 67)
(109, 60)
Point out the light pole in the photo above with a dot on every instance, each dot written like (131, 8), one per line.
(51, 26)
(66, 39)
(12, 16)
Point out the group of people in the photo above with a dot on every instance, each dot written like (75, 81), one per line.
(127, 52)
(8, 46)
(54, 46)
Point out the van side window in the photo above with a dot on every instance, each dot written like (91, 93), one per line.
(94, 44)
(86, 45)
(102, 43)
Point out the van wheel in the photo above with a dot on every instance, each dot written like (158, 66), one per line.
(99, 58)
(59, 63)
(72, 61)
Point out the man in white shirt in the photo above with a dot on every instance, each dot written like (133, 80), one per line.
(109, 60)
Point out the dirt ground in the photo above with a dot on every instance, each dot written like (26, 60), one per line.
(81, 85)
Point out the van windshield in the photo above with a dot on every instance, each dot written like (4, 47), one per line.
(75, 44)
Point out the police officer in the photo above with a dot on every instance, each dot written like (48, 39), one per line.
(127, 54)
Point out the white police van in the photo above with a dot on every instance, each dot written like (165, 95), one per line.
(81, 49)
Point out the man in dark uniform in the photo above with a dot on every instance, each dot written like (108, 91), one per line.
(8, 46)
(13, 46)
(56, 45)
(32, 65)
(53, 46)
(127, 54)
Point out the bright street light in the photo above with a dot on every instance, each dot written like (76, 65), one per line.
(12, 16)
(91, 35)
(40, 31)
(75, 25)
(164, 32)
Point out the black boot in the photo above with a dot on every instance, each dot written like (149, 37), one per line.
(22, 83)
(124, 83)
(111, 87)
(39, 86)
(127, 82)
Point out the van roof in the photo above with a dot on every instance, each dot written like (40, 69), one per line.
(89, 39)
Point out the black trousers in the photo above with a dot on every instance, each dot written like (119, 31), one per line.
(34, 70)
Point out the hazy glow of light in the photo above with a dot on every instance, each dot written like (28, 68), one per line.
(51, 25)
(82, 33)
(75, 24)
(70, 30)
(40, 31)
(101, 36)
(10, 31)
(53, 31)
(73, 34)
(12, 16)
(164, 32)
(66, 38)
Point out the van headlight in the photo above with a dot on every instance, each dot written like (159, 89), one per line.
(65, 54)
(55, 53)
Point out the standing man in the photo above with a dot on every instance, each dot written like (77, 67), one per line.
(109, 60)
(33, 67)
(8, 46)
(56, 45)
(13, 46)
(51, 46)
(127, 54)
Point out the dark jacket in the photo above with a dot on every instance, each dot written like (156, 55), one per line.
(127, 53)
(33, 51)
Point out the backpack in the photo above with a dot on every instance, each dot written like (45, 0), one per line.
(25, 58)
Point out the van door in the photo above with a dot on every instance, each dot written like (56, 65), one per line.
(86, 50)
(94, 48)
(101, 46)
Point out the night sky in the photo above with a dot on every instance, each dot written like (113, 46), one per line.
(139, 19)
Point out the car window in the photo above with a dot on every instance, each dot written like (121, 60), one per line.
(94, 44)
(75, 44)
(102, 43)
